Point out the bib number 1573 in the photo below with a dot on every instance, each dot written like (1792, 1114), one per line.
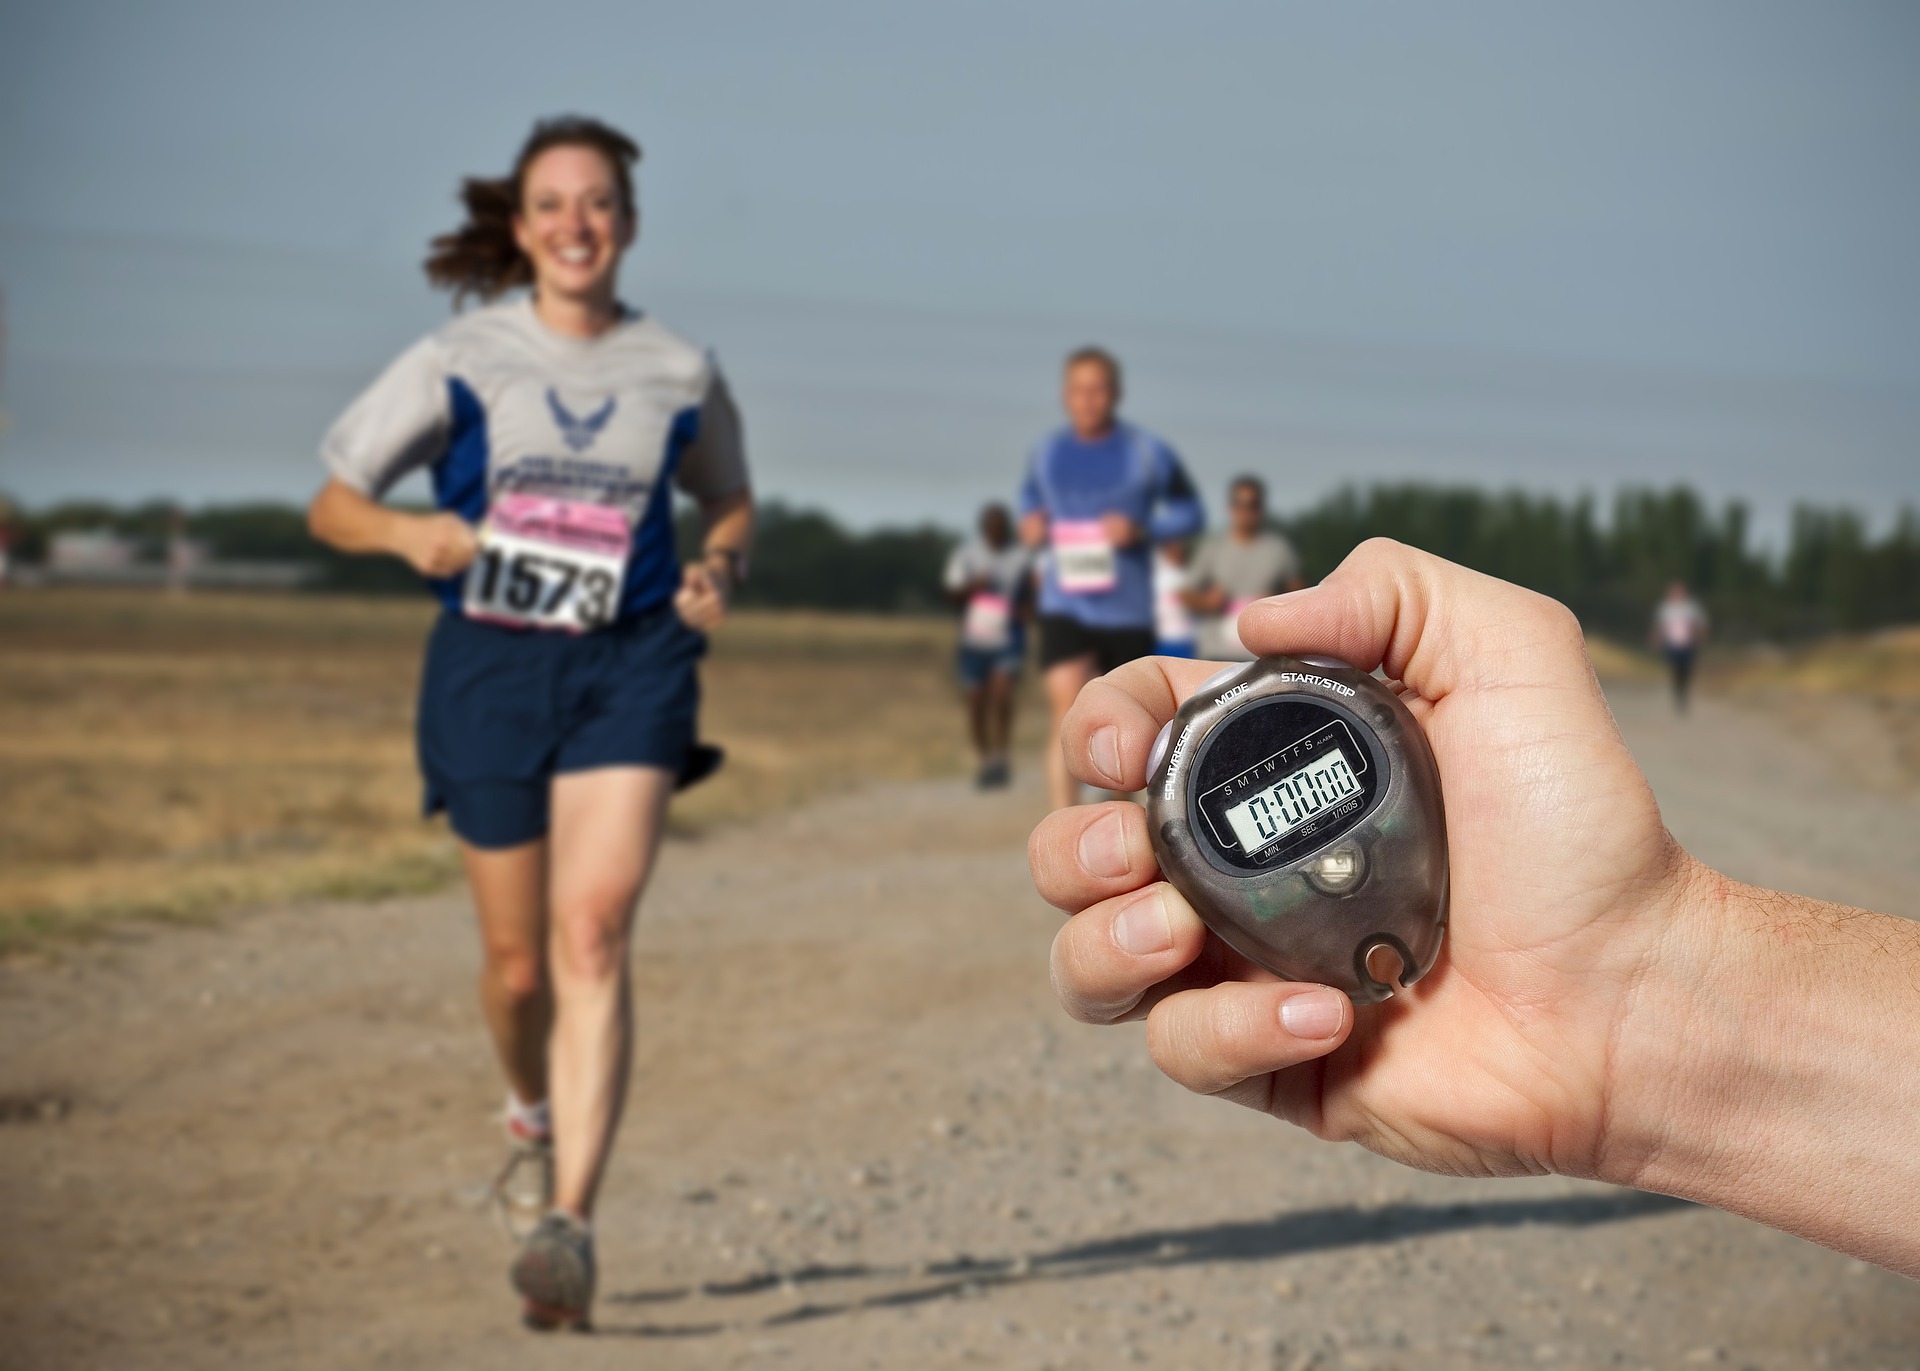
(553, 564)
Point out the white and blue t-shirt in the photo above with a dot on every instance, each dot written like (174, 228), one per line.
(1130, 472)
(495, 402)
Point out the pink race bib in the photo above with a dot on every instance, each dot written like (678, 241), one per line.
(1083, 557)
(546, 563)
(989, 622)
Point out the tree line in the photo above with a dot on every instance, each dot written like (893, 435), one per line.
(1833, 575)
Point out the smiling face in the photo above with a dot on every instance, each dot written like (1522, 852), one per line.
(572, 224)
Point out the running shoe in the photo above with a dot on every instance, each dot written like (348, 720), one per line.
(523, 1189)
(554, 1274)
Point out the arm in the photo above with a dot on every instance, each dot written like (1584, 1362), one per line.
(706, 585)
(432, 544)
(1177, 511)
(1605, 1006)
(1032, 506)
(1203, 592)
(955, 581)
(397, 424)
(1766, 1068)
(1208, 599)
(713, 472)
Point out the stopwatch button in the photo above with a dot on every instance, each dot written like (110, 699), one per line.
(1339, 870)
(1219, 677)
(1325, 662)
(1159, 753)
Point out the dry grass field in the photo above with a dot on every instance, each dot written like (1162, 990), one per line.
(1880, 670)
(174, 757)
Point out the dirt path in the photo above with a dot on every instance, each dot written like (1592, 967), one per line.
(862, 1136)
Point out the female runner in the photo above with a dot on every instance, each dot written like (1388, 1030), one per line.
(558, 700)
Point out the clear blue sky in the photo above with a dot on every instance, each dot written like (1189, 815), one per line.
(1513, 244)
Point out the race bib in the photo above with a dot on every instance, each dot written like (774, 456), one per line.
(1230, 626)
(554, 564)
(1083, 558)
(989, 622)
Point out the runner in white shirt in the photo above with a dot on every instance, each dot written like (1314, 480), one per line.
(990, 579)
(1679, 630)
(1174, 632)
(559, 699)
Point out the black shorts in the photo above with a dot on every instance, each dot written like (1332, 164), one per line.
(1062, 639)
(504, 710)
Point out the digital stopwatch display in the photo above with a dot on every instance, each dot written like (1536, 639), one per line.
(1282, 776)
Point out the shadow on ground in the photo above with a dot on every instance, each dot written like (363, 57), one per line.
(1308, 1230)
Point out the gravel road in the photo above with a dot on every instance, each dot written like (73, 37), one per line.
(861, 1134)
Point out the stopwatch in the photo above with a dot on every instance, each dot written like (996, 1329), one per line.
(1295, 803)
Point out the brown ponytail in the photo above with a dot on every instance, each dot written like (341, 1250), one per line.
(480, 257)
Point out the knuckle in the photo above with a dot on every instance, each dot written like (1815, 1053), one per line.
(1078, 983)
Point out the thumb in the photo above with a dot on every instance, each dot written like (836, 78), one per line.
(1431, 623)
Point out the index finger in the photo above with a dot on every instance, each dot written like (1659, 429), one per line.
(1108, 733)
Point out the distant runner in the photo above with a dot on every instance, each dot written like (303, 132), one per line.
(990, 579)
(1679, 630)
(1174, 632)
(1233, 569)
(1098, 493)
(559, 698)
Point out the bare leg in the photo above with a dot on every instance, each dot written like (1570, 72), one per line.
(606, 830)
(510, 893)
(1064, 682)
(977, 721)
(999, 712)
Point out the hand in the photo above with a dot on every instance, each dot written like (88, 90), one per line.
(1121, 531)
(1033, 528)
(1503, 1059)
(701, 601)
(438, 545)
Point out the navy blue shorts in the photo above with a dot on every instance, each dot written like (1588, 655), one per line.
(975, 664)
(504, 710)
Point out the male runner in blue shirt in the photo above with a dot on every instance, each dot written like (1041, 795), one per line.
(1098, 494)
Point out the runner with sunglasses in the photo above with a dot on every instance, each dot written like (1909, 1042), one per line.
(1248, 562)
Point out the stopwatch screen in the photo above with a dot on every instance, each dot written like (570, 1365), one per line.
(1283, 776)
(1278, 809)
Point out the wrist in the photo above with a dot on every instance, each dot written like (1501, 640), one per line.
(1671, 1031)
(726, 566)
(403, 535)
(1761, 1068)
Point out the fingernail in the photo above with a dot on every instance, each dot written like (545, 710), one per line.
(1104, 749)
(1143, 928)
(1103, 847)
(1314, 1015)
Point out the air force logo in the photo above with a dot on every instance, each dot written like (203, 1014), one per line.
(578, 431)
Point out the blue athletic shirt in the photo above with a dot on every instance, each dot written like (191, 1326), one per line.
(496, 402)
(1128, 472)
